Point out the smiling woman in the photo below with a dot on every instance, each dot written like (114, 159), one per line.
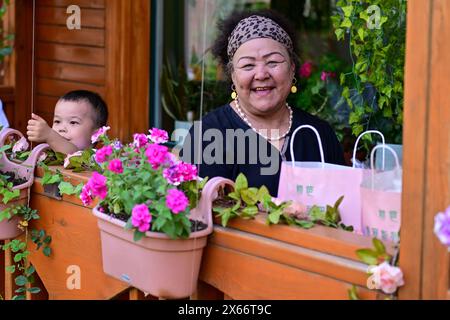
(250, 134)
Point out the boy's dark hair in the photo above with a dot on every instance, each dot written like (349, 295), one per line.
(97, 103)
(225, 28)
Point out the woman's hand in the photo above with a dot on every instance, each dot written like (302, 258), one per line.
(38, 130)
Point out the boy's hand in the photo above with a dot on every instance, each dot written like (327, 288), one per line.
(38, 129)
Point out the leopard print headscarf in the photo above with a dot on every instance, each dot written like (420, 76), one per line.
(255, 27)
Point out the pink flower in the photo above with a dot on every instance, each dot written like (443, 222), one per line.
(86, 195)
(140, 140)
(115, 166)
(20, 145)
(156, 155)
(67, 159)
(386, 277)
(141, 217)
(187, 171)
(325, 75)
(306, 69)
(103, 153)
(158, 136)
(97, 134)
(442, 227)
(176, 201)
(172, 175)
(97, 185)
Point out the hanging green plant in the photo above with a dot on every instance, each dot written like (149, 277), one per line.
(375, 30)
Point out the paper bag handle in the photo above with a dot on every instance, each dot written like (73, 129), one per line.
(373, 153)
(359, 138)
(322, 158)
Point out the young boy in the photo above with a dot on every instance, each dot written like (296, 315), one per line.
(78, 114)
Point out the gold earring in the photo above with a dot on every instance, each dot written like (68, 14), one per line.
(294, 87)
(233, 93)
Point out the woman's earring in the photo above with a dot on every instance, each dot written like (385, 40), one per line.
(294, 87)
(233, 93)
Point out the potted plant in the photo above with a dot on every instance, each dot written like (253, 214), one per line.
(15, 181)
(153, 222)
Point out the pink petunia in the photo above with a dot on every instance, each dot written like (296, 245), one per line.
(115, 166)
(141, 217)
(156, 155)
(158, 136)
(97, 134)
(86, 195)
(97, 185)
(103, 153)
(139, 140)
(176, 201)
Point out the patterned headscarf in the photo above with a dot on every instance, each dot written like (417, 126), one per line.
(255, 27)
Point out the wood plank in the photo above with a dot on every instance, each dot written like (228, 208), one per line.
(75, 242)
(328, 265)
(70, 53)
(65, 3)
(58, 34)
(58, 88)
(73, 72)
(328, 240)
(234, 273)
(435, 257)
(45, 104)
(414, 141)
(23, 49)
(90, 18)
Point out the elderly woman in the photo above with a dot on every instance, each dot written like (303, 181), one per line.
(251, 134)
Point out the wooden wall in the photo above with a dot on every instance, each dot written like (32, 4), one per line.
(109, 55)
(426, 170)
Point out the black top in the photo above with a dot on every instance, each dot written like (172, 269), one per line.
(252, 155)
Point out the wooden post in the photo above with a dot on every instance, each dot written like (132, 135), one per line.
(8, 276)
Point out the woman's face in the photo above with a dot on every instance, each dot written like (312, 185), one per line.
(262, 73)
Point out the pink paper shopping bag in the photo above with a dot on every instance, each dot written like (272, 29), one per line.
(381, 194)
(322, 184)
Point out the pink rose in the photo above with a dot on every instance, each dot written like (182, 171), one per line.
(97, 134)
(176, 201)
(103, 153)
(141, 217)
(386, 277)
(306, 69)
(158, 136)
(115, 166)
(325, 75)
(156, 155)
(67, 159)
(20, 145)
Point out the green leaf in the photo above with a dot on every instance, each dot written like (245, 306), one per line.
(339, 33)
(361, 33)
(34, 290)
(250, 212)
(304, 224)
(250, 196)
(30, 271)
(353, 293)
(379, 246)
(274, 217)
(262, 193)
(10, 269)
(347, 23)
(47, 251)
(241, 182)
(367, 256)
(138, 235)
(21, 281)
(66, 188)
(347, 11)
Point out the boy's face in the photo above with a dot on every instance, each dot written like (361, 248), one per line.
(73, 120)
